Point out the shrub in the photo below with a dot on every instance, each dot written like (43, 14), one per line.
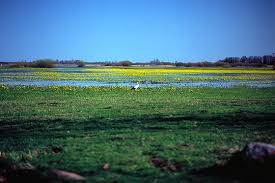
(80, 63)
(221, 64)
(158, 62)
(20, 64)
(124, 63)
(179, 64)
(43, 63)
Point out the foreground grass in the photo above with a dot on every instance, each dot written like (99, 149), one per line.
(193, 127)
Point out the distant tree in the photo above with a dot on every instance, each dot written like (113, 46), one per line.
(155, 62)
(21, 64)
(179, 64)
(254, 59)
(243, 59)
(232, 59)
(80, 63)
(43, 63)
(221, 64)
(108, 63)
(124, 63)
(158, 62)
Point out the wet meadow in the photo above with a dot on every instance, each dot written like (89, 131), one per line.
(88, 121)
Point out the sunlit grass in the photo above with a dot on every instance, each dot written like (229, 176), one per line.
(96, 125)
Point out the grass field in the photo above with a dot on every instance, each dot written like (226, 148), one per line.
(192, 128)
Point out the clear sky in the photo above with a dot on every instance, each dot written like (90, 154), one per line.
(136, 30)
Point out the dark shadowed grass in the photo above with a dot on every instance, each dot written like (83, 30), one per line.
(81, 129)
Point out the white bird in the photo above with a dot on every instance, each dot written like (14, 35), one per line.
(135, 87)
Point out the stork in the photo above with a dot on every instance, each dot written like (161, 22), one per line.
(135, 87)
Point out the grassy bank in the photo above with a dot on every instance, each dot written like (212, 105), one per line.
(190, 127)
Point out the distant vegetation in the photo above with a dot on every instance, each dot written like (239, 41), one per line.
(80, 63)
(42, 63)
(45, 63)
(125, 63)
(219, 64)
(158, 62)
(251, 61)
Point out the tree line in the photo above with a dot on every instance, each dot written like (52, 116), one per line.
(252, 61)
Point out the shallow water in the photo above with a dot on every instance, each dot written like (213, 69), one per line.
(218, 74)
(28, 77)
(222, 84)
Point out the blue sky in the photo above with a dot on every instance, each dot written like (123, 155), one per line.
(137, 30)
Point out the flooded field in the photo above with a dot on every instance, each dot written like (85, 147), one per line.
(152, 77)
(81, 120)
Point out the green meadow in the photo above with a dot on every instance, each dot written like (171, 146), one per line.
(137, 91)
(113, 134)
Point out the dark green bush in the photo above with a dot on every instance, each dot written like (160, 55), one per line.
(124, 63)
(20, 64)
(80, 63)
(43, 63)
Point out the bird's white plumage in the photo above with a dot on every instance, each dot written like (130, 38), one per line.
(135, 87)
